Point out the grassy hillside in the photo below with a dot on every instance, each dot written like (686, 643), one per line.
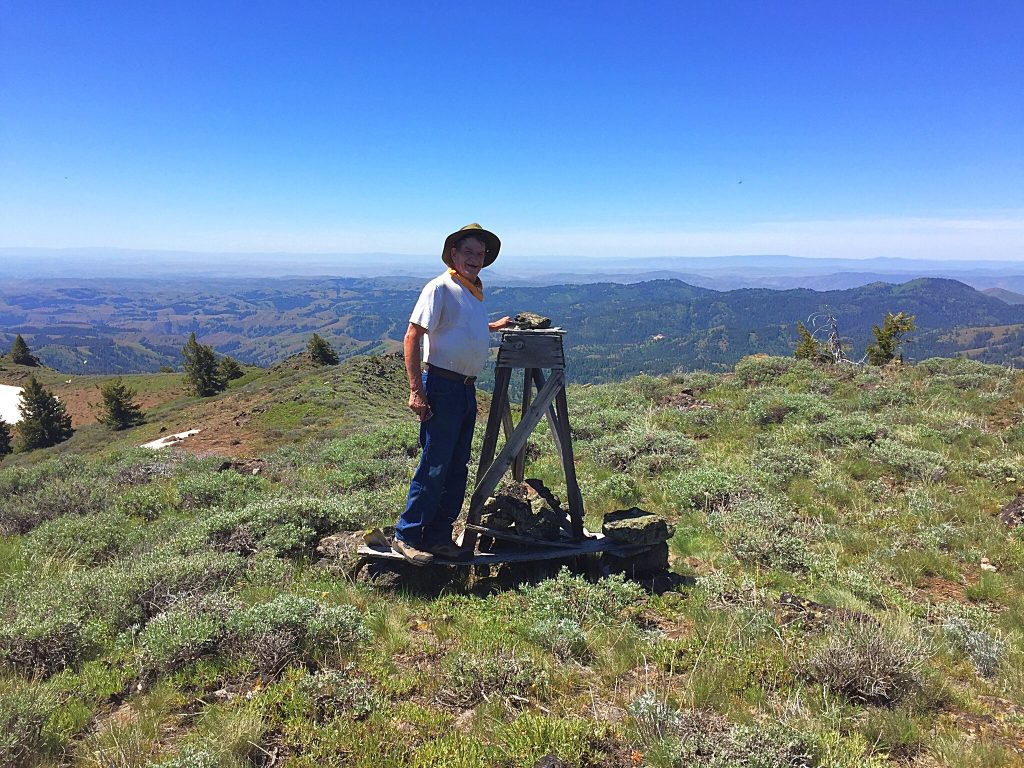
(846, 593)
(266, 408)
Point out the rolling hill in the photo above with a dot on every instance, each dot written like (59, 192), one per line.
(613, 330)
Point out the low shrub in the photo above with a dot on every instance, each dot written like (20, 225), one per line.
(644, 449)
(910, 463)
(188, 630)
(226, 490)
(704, 488)
(776, 406)
(282, 525)
(290, 627)
(38, 497)
(469, 679)
(704, 739)
(762, 531)
(133, 593)
(43, 640)
(85, 540)
(565, 638)
(758, 370)
(573, 597)
(869, 663)
(338, 693)
(24, 709)
(149, 502)
(781, 463)
(845, 429)
(619, 487)
(986, 651)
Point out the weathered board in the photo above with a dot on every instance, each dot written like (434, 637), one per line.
(587, 547)
(531, 349)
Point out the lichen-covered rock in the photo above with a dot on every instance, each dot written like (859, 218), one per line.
(530, 510)
(531, 321)
(636, 527)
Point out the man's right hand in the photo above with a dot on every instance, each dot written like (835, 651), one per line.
(418, 404)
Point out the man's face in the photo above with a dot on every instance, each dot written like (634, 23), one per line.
(468, 258)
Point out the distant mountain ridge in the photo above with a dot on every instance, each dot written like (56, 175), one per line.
(717, 272)
(613, 330)
(1010, 297)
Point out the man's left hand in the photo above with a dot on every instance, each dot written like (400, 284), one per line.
(497, 325)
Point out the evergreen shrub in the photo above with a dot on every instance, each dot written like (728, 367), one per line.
(763, 531)
(148, 502)
(573, 597)
(780, 463)
(50, 490)
(133, 592)
(226, 490)
(188, 630)
(845, 429)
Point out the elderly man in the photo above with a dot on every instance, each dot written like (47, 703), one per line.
(450, 322)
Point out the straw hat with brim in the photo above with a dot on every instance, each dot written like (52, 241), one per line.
(489, 238)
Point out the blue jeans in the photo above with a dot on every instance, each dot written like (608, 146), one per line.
(438, 488)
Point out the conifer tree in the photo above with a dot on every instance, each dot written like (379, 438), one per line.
(5, 438)
(320, 352)
(889, 338)
(119, 409)
(44, 419)
(21, 354)
(808, 347)
(200, 366)
(229, 369)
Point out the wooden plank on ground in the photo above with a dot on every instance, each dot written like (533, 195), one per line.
(498, 533)
(587, 547)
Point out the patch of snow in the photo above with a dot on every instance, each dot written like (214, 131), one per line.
(164, 442)
(10, 398)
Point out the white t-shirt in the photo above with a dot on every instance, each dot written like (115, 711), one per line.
(456, 323)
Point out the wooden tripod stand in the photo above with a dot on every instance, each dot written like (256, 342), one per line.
(531, 351)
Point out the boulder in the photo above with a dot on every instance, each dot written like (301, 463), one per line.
(636, 527)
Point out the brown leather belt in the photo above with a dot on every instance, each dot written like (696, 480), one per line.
(444, 373)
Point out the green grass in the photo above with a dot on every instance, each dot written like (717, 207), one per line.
(158, 611)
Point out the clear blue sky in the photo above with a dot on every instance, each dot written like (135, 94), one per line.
(819, 128)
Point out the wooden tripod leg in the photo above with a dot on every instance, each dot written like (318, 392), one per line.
(502, 376)
(519, 465)
(572, 486)
(486, 483)
(538, 379)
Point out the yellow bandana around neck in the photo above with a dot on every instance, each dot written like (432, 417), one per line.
(477, 289)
